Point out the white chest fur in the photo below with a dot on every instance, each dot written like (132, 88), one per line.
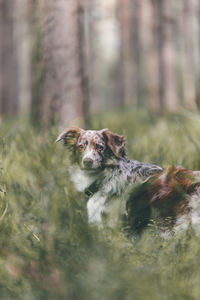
(111, 197)
(95, 207)
(80, 178)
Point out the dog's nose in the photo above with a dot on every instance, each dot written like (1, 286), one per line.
(87, 162)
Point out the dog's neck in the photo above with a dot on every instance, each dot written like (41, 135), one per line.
(82, 179)
(119, 172)
(110, 184)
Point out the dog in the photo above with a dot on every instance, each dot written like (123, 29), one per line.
(122, 189)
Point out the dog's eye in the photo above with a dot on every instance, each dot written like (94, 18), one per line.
(99, 147)
(81, 146)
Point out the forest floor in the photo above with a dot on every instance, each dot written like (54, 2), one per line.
(47, 248)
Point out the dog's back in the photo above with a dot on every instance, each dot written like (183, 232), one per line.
(169, 196)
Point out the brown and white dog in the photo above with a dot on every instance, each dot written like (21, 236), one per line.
(117, 186)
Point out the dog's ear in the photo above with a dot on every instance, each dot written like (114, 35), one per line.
(115, 142)
(69, 136)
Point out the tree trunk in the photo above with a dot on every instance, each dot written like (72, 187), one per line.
(22, 34)
(8, 60)
(137, 86)
(168, 90)
(189, 67)
(37, 68)
(90, 34)
(64, 82)
(84, 57)
(151, 57)
(197, 63)
(123, 77)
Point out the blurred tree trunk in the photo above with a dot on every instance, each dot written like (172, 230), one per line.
(124, 88)
(150, 56)
(22, 32)
(147, 66)
(189, 63)
(8, 60)
(160, 44)
(168, 89)
(197, 76)
(65, 85)
(90, 35)
(130, 76)
(84, 12)
(15, 53)
(137, 53)
(37, 68)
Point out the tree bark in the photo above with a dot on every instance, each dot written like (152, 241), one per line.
(8, 60)
(189, 62)
(168, 89)
(90, 35)
(22, 32)
(64, 82)
(137, 85)
(150, 56)
(197, 62)
(37, 68)
(123, 77)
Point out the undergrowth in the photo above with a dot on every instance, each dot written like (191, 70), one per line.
(47, 248)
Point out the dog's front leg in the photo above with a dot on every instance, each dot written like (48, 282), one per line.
(95, 208)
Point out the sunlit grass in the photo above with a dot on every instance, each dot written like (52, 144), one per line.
(47, 248)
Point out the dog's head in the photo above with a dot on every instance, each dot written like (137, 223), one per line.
(93, 147)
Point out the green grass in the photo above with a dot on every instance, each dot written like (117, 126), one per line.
(47, 248)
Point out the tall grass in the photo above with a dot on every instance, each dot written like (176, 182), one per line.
(47, 248)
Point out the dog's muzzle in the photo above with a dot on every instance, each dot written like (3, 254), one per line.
(88, 163)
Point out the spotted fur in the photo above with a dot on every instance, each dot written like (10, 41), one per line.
(167, 195)
(119, 188)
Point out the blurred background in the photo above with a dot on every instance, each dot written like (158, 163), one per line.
(63, 60)
(132, 66)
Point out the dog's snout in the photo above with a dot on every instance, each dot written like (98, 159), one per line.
(87, 162)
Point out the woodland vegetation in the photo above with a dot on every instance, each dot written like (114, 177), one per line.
(63, 60)
(128, 65)
(47, 248)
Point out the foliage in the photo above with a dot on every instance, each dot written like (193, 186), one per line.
(47, 248)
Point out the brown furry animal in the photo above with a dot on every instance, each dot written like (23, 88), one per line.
(119, 187)
(171, 196)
